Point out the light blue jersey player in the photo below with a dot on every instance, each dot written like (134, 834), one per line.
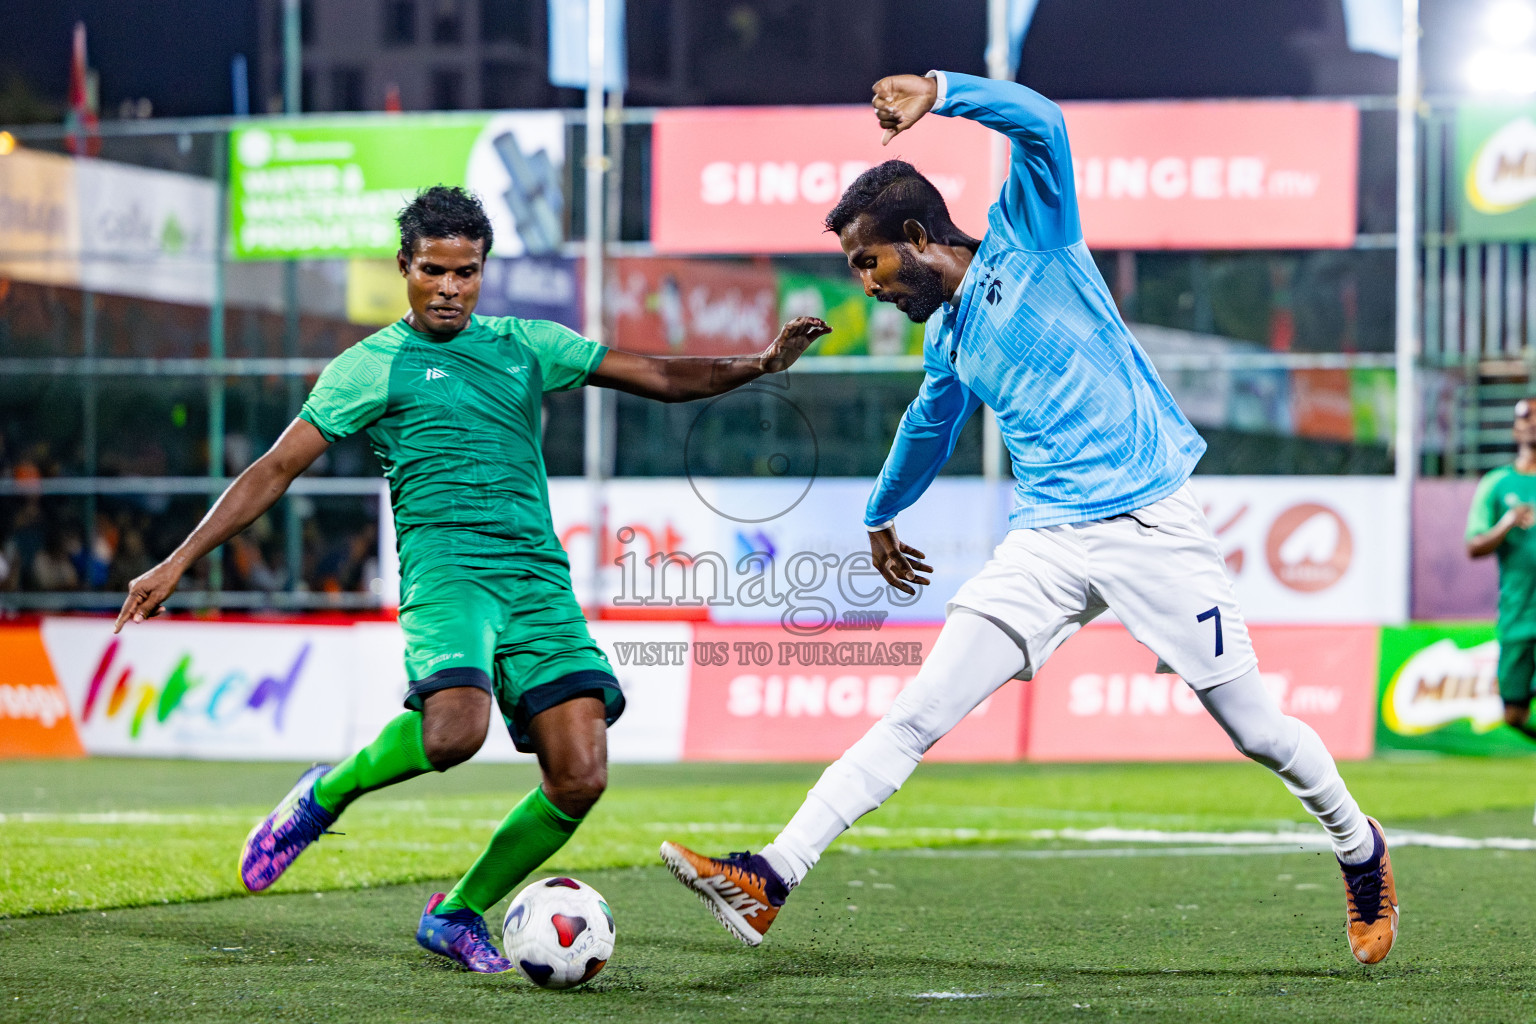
(1103, 517)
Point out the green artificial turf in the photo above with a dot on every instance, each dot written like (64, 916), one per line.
(939, 906)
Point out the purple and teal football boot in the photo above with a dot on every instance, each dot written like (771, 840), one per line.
(461, 936)
(282, 835)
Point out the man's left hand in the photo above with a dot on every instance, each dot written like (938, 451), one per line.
(792, 342)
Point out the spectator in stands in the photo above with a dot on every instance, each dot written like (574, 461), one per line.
(131, 559)
(53, 568)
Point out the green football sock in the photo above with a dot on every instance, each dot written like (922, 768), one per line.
(396, 755)
(528, 836)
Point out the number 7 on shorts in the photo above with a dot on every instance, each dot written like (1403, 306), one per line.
(1213, 612)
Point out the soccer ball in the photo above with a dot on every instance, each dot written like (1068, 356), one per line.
(559, 932)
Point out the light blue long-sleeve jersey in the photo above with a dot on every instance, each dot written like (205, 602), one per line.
(1033, 332)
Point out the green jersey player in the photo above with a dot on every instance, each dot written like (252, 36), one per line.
(1500, 523)
(451, 405)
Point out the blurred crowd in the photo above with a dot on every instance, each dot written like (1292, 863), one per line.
(65, 543)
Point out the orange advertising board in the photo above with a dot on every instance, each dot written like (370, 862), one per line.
(34, 712)
(774, 696)
(1153, 175)
(1099, 697)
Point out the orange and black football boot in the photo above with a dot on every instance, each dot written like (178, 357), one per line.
(741, 890)
(1370, 895)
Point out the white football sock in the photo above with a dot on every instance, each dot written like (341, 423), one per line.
(1292, 750)
(971, 658)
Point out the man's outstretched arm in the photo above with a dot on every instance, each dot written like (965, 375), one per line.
(685, 378)
(252, 493)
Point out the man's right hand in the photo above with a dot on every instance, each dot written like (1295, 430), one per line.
(1521, 517)
(147, 594)
(891, 560)
(901, 100)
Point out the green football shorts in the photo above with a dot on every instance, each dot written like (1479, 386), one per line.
(521, 639)
(1517, 666)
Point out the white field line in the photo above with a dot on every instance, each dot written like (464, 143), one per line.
(1259, 840)
(1288, 840)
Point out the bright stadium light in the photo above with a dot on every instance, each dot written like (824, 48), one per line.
(1509, 22)
(1511, 72)
(1503, 64)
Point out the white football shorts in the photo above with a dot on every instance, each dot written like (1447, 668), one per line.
(1159, 568)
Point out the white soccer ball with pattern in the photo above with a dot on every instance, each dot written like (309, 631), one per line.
(558, 932)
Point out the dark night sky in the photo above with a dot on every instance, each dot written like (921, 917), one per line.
(177, 52)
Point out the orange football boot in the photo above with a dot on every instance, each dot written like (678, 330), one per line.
(1371, 898)
(741, 890)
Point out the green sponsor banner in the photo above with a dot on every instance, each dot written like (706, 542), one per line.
(860, 325)
(1373, 403)
(1495, 181)
(1439, 691)
(332, 188)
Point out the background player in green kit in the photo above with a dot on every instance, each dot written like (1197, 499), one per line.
(1503, 512)
(451, 405)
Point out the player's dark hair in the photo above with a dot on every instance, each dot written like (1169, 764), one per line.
(891, 194)
(444, 211)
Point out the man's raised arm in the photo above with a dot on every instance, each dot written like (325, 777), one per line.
(242, 503)
(1039, 200)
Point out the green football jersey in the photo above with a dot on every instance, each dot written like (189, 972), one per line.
(1497, 492)
(455, 422)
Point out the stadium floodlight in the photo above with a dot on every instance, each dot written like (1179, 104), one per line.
(1503, 71)
(7, 143)
(1509, 22)
(1503, 64)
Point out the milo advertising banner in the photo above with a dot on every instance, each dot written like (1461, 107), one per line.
(1439, 691)
(332, 187)
(1496, 172)
(860, 325)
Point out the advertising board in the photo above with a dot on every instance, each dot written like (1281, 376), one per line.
(1300, 550)
(762, 694)
(333, 188)
(860, 325)
(258, 691)
(1100, 698)
(761, 179)
(147, 232)
(1154, 175)
(206, 690)
(35, 719)
(1495, 183)
(1439, 690)
(1311, 550)
(531, 287)
(691, 307)
(39, 218)
(1241, 174)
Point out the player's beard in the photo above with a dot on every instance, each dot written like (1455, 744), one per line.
(924, 287)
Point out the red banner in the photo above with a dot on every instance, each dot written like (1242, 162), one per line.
(1099, 698)
(692, 307)
(761, 179)
(1175, 175)
(1254, 174)
(771, 696)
